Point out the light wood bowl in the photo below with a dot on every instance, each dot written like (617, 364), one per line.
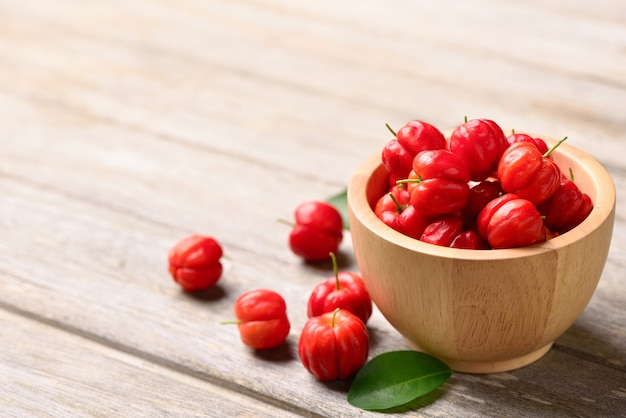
(483, 311)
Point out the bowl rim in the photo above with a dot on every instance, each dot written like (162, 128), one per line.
(604, 205)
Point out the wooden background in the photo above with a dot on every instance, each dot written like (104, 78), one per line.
(125, 126)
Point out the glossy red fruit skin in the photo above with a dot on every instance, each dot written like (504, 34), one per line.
(412, 223)
(194, 262)
(318, 231)
(443, 230)
(490, 208)
(346, 291)
(567, 207)
(479, 195)
(480, 144)
(389, 210)
(581, 214)
(416, 136)
(511, 223)
(334, 345)
(440, 164)
(413, 137)
(441, 184)
(396, 160)
(521, 137)
(524, 171)
(469, 240)
(543, 185)
(438, 197)
(262, 315)
(402, 217)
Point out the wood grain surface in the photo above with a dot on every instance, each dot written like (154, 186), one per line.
(125, 126)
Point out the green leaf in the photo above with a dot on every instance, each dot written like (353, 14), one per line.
(396, 378)
(340, 202)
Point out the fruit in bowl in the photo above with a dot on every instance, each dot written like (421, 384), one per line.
(484, 311)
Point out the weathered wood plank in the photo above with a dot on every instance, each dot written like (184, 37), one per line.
(77, 377)
(487, 79)
(124, 127)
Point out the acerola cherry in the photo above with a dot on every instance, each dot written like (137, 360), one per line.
(510, 221)
(567, 207)
(440, 164)
(194, 262)
(521, 137)
(469, 240)
(581, 214)
(318, 231)
(441, 183)
(524, 171)
(334, 345)
(416, 136)
(443, 230)
(343, 290)
(479, 195)
(480, 144)
(395, 211)
(438, 197)
(261, 318)
(490, 208)
(396, 160)
(390, 205)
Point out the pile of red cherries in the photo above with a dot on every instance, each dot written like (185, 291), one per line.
(478, 189)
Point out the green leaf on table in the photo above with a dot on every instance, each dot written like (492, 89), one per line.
(340, 202)
(396, 378)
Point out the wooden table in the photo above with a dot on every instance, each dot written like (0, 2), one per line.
(127, 125)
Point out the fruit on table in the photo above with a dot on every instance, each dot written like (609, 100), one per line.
(334, 345)
(261, 318)
(194, 262)
(318, 231)
(345, 290)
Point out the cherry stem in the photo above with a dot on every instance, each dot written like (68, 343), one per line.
(548, 152)
(571, 174)
(391, 130)
(234, 322)
(399, 207)
(285, 222)
(417, 180)
(332, 323)
(227, 257)
(465, 118)
(333, 257)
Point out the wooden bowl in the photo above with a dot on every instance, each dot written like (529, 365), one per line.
(483, 311)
